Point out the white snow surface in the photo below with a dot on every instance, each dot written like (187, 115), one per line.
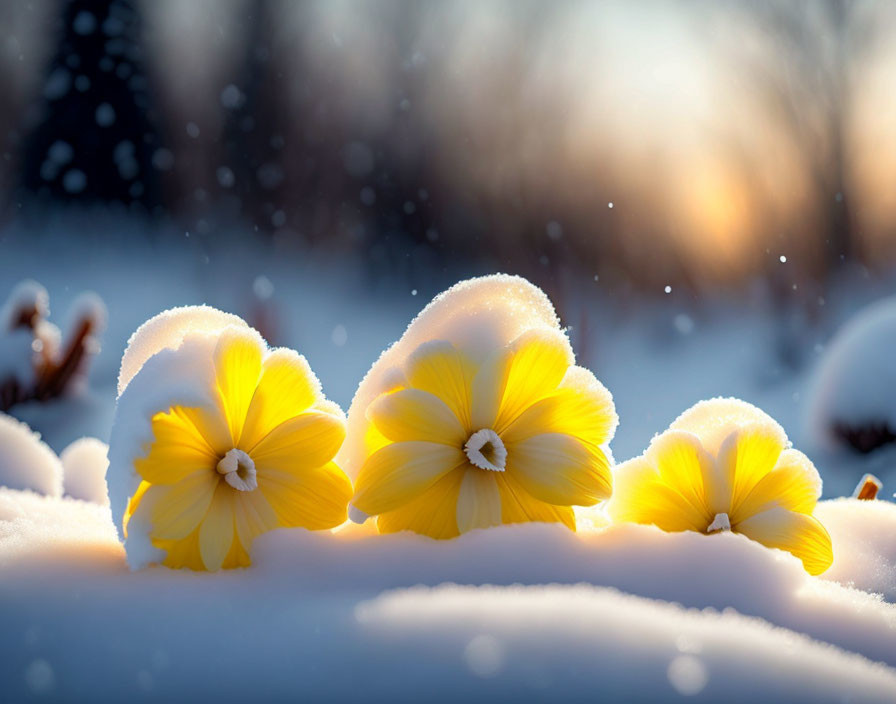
(84, 464)
(626, 614)
(26, 462)
(863, 534)
(855, 383)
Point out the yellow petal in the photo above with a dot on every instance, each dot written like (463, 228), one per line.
(176, 509)
(253, 515)
(237, 557)
(683, 465)
(177, 451)
(412, 414)
(237, 368)
(287, 387)
(315, 498)
(400, 472)
(585, 412)
(478, 501)
(440, 369)
(745, 457)
(793, 484)
(182, 553)
(432, 513)
(133, 504)
(210, 424)
(517, 376)
(640, 496)
(517, 506)
(559, 469)
(373, 439)
(308, 440)
(797, 533)
(216, 531)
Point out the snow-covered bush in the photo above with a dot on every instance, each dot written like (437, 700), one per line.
(34, 362)
(853, 397)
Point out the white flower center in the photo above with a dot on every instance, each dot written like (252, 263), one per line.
(719, 523)
(485, 450)
(238, 470)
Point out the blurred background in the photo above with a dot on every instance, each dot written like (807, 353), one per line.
(704, 188)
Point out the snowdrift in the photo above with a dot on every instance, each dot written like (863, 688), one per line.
(344, 614)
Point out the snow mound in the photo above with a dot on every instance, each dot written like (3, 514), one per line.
(166, 331)
(767, 628)
(854, 386)
(695, 570)
(84, 464)
(596, 643)
(26, 462)
(55, 538)
(476, 316)
(864, 539)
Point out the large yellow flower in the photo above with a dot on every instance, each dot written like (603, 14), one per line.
(257, 456)
(454, 445)
(725, 465)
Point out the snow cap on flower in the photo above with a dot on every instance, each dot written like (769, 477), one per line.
(217, 439)
(479, 416)
(724, 465)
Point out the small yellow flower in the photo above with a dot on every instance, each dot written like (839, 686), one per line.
(257, 456)
(726, 465)
(455, 445)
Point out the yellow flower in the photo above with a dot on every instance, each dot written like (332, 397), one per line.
(256, 456)
(726, 465)
(455, 445)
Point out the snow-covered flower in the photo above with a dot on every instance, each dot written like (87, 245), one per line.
(724, 465)
(479, 416)
(218, 439)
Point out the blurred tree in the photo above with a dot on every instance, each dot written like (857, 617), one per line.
(94, 139)
(257, 123)
(806, 88)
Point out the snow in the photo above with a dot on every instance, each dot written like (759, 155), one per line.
(854, 382)
(84, 464)
(534, 611)
(167, 331)
(25, 461)
(864, 541)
